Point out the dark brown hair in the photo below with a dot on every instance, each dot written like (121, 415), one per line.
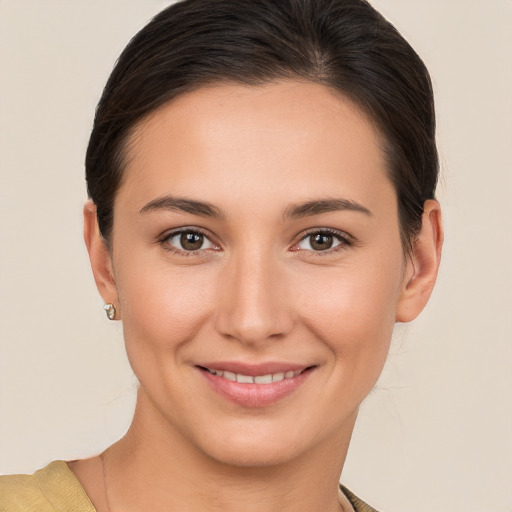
(344, 44)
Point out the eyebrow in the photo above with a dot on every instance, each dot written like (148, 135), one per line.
(324, 206)
(294, 211)
(181, 204)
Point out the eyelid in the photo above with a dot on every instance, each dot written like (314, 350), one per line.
(164, 237)
(345, 239)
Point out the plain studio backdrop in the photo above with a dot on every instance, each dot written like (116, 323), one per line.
(435, 434)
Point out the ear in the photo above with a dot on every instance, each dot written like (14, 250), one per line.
(422, 265)
(99, 255)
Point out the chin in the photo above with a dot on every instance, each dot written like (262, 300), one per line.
(253, 454)
(255, 445)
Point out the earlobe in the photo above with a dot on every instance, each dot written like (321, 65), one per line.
(99, 256)
(423, 264)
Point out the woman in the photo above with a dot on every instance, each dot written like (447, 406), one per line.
(262, 212)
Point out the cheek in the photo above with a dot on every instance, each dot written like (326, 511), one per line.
(353, 299)
(161, 307)
(354, 315)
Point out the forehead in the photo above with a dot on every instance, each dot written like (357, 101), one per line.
(294, 138)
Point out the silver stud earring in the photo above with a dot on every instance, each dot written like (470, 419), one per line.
(110, 310)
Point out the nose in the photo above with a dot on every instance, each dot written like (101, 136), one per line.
(254, 303)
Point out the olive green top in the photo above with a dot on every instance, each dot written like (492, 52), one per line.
(56, 489)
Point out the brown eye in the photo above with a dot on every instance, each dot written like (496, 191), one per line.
(189, 241)
(322, 241)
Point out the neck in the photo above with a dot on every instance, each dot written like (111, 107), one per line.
(153, 467)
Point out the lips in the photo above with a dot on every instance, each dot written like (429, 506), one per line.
(254, 385)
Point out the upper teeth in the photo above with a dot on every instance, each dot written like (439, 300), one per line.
(259, 379)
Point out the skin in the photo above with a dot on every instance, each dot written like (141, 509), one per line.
(256, 291)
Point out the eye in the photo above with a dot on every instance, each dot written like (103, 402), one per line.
(189, 240)
(322, 241)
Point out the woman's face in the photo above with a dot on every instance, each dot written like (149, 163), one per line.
(255, 237)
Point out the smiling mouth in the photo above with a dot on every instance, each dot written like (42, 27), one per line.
(268, 378)
(268, 383)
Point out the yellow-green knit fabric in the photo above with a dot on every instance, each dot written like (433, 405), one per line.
(51, 489)
(56, 489)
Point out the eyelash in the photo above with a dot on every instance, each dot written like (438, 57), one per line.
(344, 240)
(165, 242)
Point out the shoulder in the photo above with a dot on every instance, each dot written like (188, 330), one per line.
(358, 504)
(51, 489)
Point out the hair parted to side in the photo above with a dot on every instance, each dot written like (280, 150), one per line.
(345, 44)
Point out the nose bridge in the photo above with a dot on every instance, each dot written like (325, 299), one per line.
(253, 305)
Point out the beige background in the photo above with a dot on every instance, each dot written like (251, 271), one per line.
(436, 434)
